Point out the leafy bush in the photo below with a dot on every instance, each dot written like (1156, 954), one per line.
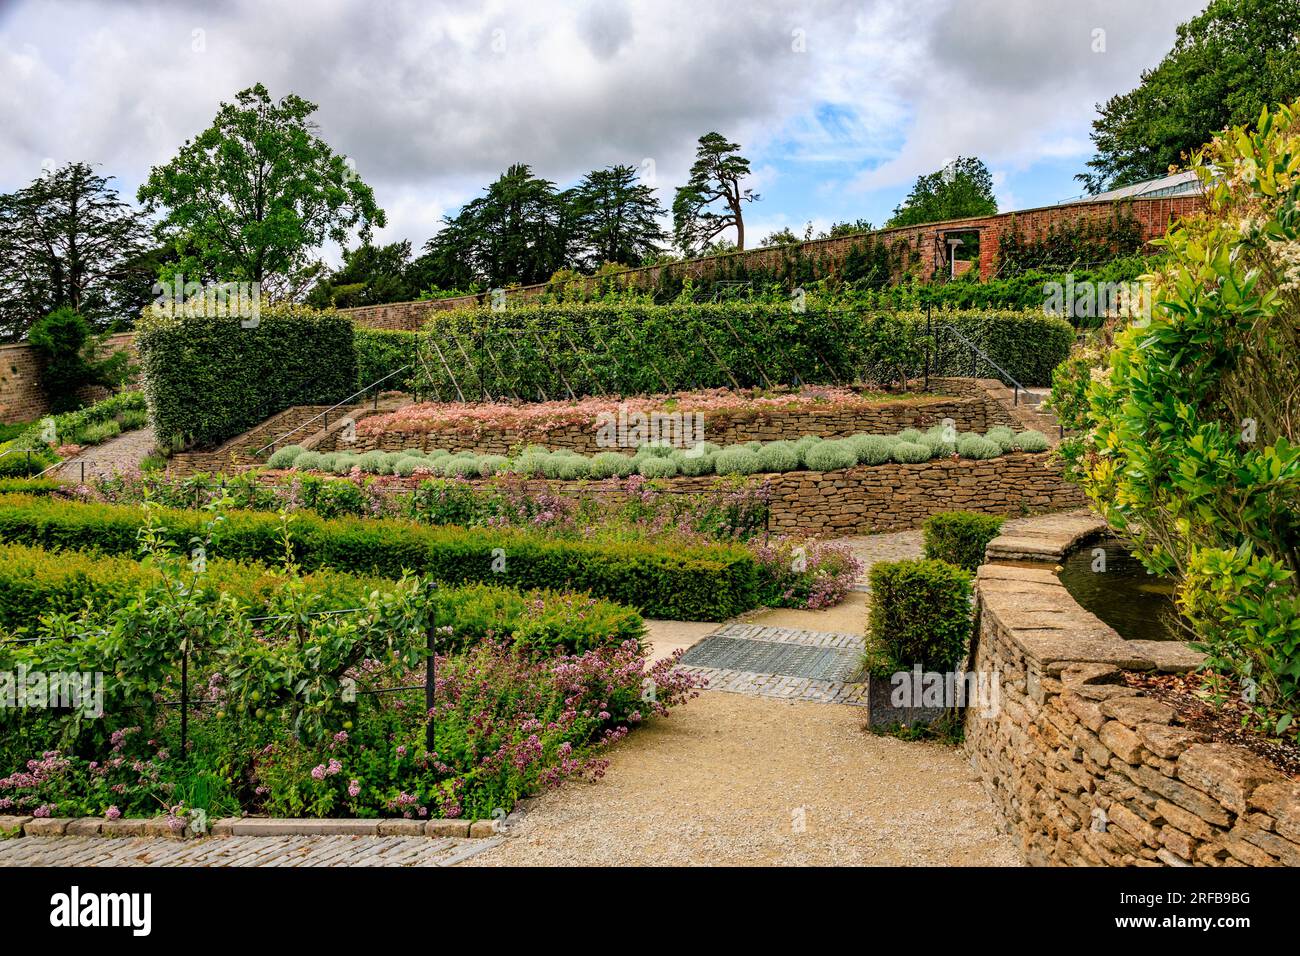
(674, 581)
(70, 359)
(973, 446)
(619, 347)
(694, 462)
(906, 452)
(610, 464)
(308, 461)
(920, 614)
(778, 456)
(872, 449)
(284, 457)
(381, 352)
(1031, 441)
(35, 582)
(1003, 435)
(657, 468)
(960, 537)
(1190, 447)
(207, 379)
(736, 461)
(831, 456)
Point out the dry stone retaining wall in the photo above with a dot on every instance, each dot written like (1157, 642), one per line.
(1085, 770)
(976, 410)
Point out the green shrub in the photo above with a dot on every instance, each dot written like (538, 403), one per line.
(610, 464)
(778, 456)
(920, 614)
(308, 461)
(284, 457)
(910, 435)
(1031, 441)
(407, 466)
(831, 456)
(381, 352)
(16, 462)
(973, 446)
(655, 467)
(912, 453)
(29, 486)
(489, 465)
(71, 359)
(207, 379)
(802, 445)
(461, 468)
(960, 537)
(735, 461)
(34, 582)
(872, 449)
(619, 347)
(706, 582)
(695, 463)
(1003, 435)
(938, 441)
(344, 463)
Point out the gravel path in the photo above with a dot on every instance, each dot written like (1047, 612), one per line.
(735, 780)
(115, 456)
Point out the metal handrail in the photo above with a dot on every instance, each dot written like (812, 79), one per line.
(336, 405)
(1017, 388)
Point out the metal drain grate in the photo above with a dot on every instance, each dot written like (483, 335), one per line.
(770, 657)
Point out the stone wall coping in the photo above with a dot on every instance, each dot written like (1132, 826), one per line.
(1040, 616)
(1047, 539)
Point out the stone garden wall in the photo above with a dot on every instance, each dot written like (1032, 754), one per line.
(1087, 771)
(22, 399)
(974, 411)
(872, 498)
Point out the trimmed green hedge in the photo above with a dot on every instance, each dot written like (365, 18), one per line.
(920, 614)
(622, 348)
(383, 351)
(960, 537)
(701, 583)
(34, 582)
(208, 379)
(29, 486)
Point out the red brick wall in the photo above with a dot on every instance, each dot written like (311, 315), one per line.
(21, 397)
(1153, 215)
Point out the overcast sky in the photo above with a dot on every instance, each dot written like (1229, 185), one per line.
(839, 105)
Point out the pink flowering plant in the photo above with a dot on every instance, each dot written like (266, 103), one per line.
(301, 710)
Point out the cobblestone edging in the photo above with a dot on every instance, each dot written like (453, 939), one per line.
(1085, 770)
(157, 827)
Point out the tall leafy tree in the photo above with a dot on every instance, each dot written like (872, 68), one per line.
(617, 217)
(254, 196)
(712, 201)
(519, 231)
(66, 240)
(962, 189)
(369, 275)
(1227, 64)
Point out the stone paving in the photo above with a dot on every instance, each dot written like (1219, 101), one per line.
(787, 686)
(241, 851)
(113, 457)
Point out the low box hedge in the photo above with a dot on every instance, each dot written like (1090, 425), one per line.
(34, 582)
(701, 583)
(920, 614)
(960, 537)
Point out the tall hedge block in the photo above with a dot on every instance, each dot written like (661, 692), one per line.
(207, 379)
